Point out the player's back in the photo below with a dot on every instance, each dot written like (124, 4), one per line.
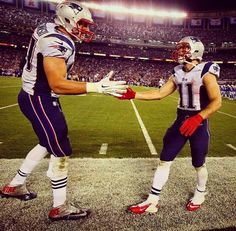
(46, 41)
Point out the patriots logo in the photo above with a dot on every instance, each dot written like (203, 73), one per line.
(216, 68)
(76, 8)
(59, 47)
(194, 39)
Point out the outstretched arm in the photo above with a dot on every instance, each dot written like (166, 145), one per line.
(157, 94)
(55, 70)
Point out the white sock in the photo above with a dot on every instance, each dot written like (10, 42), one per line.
(160, 178)
(154, 199)
(202, 176)
(31, 161)
(59, 191)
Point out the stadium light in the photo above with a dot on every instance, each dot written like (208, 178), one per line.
(99, 54)
(115, 8)
(135, 11)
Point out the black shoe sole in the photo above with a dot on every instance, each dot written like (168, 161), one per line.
(24, 197)
(71, 217)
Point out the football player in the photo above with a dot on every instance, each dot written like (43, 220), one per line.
(199, 98)
(50, 57)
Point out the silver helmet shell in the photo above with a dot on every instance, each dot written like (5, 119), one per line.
(70, 15)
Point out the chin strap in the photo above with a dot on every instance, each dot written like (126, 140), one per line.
(193, 64)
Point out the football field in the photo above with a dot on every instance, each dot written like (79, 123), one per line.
(104, 127)
(116, 146)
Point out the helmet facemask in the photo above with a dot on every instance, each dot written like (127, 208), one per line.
(81, 31)
(182, 52)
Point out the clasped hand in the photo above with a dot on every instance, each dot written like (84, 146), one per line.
(115, 88)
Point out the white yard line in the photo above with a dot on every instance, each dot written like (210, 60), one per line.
(226, 114)
(12, 105)
(10, 86)
(91, 95)
(144, 130)
(231, 146)
(103, 149)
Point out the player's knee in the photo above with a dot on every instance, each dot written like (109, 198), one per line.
(202, 170)
(64, 149)
(198, 162)
(198, 168)
(68, 150)
(58, 167)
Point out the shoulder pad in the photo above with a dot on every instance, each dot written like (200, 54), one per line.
(56, 45)
(215, 69)
(212, 68)
(177, 68)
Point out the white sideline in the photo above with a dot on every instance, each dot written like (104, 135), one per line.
(231, 146)
(10, 86)
(12, 105)
(226, 114)
(103, 149)
(144, 130)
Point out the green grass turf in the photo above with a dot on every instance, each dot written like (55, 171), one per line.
(97, 119)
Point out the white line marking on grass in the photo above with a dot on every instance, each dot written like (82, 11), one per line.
(103, 149)
(1, 142)
(10, 86)
(90, 95)
(144, 130)
(229, 103)
(226, 114)
(8, 106)
(231, 146)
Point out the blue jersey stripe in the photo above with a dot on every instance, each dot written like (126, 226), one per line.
(206, 68)
(63, 38)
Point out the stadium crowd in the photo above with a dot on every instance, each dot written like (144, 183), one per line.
(92, 68)
(18, 24)
(21, 22)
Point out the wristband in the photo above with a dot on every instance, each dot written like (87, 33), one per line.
(91, 87)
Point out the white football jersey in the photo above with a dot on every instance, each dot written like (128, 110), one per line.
(45, 41)
(192, 92)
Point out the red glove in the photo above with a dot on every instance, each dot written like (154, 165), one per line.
(130, 94)
(190, 125)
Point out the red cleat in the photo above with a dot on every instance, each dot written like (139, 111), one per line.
(19, 192)
(192, 207)
(144, 207)
(67, 212)
(196, 202)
